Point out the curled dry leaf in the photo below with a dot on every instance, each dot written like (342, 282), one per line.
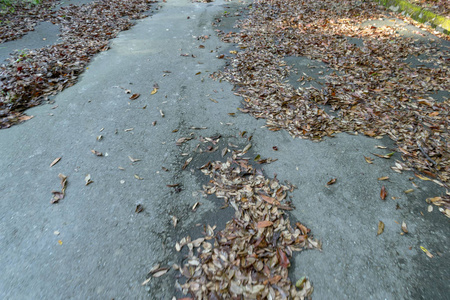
(332, 181)
(133, 159)
(368, 160)
(97, 153)
(139, 208)
(87, 179)
(55, 161)
(426, 252)
(383, 178)
(134, 96)
(383, 193)
(404, 228)
(380, 228)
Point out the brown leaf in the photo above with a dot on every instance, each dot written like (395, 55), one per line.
(368, 160)
(139, 208)
(172, 185)
(134, 96)
(97, 153)
(380, 228)
(283, 259)
(186, 163)
(55, 161)
(264, 224)
(332, 181)
(383, 193)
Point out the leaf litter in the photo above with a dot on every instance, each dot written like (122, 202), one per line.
(372, 89)
(251, 256)
(30, 76)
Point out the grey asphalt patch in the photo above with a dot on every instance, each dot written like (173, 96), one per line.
(107, 249)
(44, 34)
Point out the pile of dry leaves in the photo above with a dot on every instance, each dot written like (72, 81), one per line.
(21, 17)
(372, 90)
(85, 31)
(249, 259)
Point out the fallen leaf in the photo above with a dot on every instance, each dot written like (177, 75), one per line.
(368, 160)
(87, 179)
(174, 221)
(97, 153)
(383, 178)
(172, 185)
(264, 224)
(186, 163)
(139, 208)
(386, 156)
(160, 272)
(154, 91)
(25, 118)
(380, 228)
(426, 252)
(409, 191)
(161, 113)
(194, 207)
(404, 228)
(133, 159)
(134, 96)
(422, 177)
(137, 177)
(275, 148)
(383, 193)
(332, 181)
(55, 161)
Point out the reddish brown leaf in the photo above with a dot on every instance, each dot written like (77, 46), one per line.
(383, 193)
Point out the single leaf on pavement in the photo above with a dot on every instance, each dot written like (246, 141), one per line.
(133, 159)
(87, 179)
(380, 228)
(426, 252)
(134, 96)
(383, 193)
(97, 153)
(139, 208)
(383, 178)
(332, 181)
(387, 156)
(404, 228)
(368, 160)
(55, 161)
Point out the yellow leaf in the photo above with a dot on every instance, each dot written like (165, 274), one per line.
(60, 242)
(155, 90)
(380, 228)
(421, 177)
(426, 252)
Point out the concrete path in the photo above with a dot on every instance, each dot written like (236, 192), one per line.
(93, 244)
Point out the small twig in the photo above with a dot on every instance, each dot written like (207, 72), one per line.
(426, 155)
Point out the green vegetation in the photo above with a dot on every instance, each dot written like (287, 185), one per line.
(418, 13)
(9, 5)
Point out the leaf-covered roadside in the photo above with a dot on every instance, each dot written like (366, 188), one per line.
(441, 7)
(372, 90)
(85, 30)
